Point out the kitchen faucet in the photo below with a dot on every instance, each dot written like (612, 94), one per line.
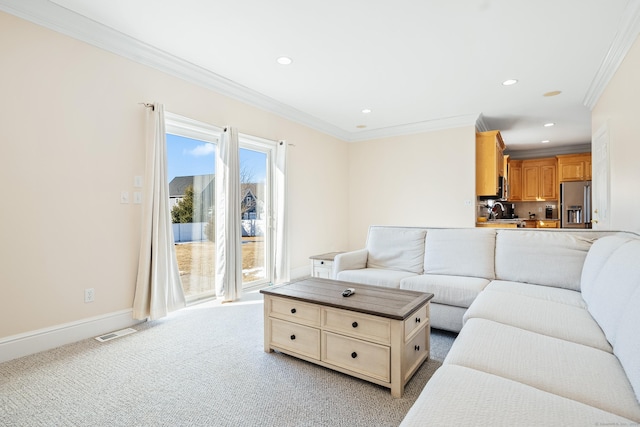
(492, 209)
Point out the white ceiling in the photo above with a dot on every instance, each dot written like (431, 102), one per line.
(417, 64)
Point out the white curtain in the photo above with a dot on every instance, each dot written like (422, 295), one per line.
(158, 288)
(228, 221)
(281, 246)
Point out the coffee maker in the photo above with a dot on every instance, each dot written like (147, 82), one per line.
(509, 211)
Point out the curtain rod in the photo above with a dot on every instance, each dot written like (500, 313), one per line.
(148, 105)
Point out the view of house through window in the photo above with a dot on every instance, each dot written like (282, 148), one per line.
(254, 208)
(191, 165)
(191, 174)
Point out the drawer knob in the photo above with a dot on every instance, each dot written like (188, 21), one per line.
(354, 324)
(321, 262)
(293, 311)
(416, 348)
(354, 354)
(417, 320)
(293, 337)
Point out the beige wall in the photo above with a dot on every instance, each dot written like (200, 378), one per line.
(425, 179)
(72, 138)
(619, 109)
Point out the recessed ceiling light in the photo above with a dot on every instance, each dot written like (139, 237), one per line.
(509, 82)
(284, 60)
(366, 111)
(361, 126)
(553, 93)
(546, 141)
(548, 125)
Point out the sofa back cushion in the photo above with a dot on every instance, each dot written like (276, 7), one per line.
(541, 257)
(396, 248)
(610, 277)
(627, 346)
(460, 252)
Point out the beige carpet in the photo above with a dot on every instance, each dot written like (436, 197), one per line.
(202, 366)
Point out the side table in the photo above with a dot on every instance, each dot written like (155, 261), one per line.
(322, 265)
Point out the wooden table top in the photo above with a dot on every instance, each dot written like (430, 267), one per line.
(376, 300)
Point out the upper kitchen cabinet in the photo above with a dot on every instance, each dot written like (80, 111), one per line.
(514, 174)
(574, 167)
(489, 163)
(539, 180)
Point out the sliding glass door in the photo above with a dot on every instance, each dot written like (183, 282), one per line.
(256, 204)
(191, 154)
(192, 200)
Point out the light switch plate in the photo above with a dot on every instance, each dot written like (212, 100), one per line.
(137, 181)
(137, 197)
(124, 197)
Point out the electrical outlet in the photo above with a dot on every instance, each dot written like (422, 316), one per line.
(89, 295)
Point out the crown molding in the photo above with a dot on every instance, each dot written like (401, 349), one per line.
(548, 152)
(625, 37)
(481, 125)
(418, 127)
(57, 18)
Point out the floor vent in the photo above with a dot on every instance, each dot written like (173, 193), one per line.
(117, 334)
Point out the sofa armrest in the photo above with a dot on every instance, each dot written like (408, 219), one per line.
(353, 260)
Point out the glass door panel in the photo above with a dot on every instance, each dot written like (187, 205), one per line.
(191, 174)
(255, 206)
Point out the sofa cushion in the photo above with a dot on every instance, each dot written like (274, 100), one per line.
(550, 364)
(456, 396)
(550, 318)
(596, 258)
(547, 293)
(396, 248)
(627, 346)
(374, 276)
(541, 257)
(446, 317)
(460, 252)
(607, 289)
(450, 290)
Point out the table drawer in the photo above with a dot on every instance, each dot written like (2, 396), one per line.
(415, 351)
(417, 319)
(296, 338)
(359, 356)
(357, 325)
(320, 263)
(295, 311)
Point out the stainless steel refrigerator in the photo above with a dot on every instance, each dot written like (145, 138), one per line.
(575, 204)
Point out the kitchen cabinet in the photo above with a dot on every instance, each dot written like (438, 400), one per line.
(541, 223)
(574, 167)
(494, 224)
(489, 162)
(539, 180)
(548, 223)
(514, 174)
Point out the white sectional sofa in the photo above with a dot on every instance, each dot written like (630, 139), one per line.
(548, 321)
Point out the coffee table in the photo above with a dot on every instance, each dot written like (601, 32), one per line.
(378, 334)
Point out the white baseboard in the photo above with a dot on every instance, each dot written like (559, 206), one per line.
(39, 340)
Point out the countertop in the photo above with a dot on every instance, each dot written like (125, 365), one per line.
(513, 223)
